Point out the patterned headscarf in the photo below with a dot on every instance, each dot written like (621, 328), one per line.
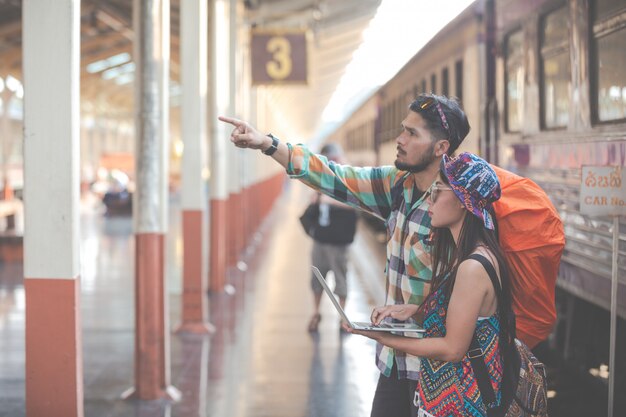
(474, 182)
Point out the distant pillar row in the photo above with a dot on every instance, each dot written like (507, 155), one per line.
(194, 51)
(54, 382)
(235, 220)
(220, 133)
(151, 55)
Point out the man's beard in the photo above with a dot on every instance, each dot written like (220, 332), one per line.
(427, 158)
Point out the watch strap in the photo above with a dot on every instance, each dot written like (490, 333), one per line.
(274, 147)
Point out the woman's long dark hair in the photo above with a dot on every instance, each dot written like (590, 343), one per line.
(446, 257)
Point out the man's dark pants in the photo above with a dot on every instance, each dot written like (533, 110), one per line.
(394, 397)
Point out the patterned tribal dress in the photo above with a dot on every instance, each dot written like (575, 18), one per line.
(450, 388)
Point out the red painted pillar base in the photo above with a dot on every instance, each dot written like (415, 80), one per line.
(238, 228)
(217, 266)
(232, 254)
(194, 303)
(54, 365)
(151, 375)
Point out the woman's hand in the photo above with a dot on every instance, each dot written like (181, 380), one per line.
(400, 312)
(377, 336)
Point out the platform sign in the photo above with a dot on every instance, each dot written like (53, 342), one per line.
(603, 191)
(278, 57)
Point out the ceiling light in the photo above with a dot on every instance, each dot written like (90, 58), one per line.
(109, 62)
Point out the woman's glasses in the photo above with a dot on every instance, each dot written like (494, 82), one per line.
(434, 192)
(428, 103)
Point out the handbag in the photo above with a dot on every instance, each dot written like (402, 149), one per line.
(524, 387)
(309, 219)
(339, 228)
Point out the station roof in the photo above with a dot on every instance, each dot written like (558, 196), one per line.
(335, 28)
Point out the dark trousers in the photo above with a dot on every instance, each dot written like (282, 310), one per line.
(394, 397)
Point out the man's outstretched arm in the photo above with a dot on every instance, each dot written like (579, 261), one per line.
(365, 188)
(246, 136)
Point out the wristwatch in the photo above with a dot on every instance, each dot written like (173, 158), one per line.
(273, 147)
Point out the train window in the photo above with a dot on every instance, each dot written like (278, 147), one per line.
(610, 61)
(556, 27)
(385, 122)
(611, 77)
(458, 75)
(433, 84)
(445, 80)
(424, 85)
(396, 113)
(556, 69)
(605, 8)
(514, 81)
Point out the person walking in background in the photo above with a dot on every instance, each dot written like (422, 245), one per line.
(332, 233)
(464, 306)
(434, 126)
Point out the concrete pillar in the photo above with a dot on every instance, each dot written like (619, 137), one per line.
(235, 223)
(54, 382)
(151, 55)
(220, 132)
(243, 106)
(194, 51)
(251, 162)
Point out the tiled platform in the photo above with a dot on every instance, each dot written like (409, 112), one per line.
(261, 361)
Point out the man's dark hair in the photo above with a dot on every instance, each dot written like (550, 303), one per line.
(458, 126)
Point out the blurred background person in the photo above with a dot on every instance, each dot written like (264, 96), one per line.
(332, 227)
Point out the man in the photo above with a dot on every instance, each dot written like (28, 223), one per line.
(434, 126)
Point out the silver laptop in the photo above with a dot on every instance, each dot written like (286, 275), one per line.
(382, 327)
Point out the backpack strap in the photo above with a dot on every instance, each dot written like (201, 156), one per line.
(475, 354)
(491, 271)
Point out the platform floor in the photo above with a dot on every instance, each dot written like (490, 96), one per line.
(260, 362)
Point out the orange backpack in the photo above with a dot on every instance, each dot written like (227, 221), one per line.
(532, 237)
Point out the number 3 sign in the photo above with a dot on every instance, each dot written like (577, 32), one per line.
(279, 57)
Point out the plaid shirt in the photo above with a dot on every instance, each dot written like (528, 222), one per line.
(408, 266)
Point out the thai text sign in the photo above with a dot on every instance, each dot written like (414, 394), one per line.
(278, 57)
(602, 191)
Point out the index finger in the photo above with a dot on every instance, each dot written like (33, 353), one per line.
(375, 317)
(231, 120)
(380, 315)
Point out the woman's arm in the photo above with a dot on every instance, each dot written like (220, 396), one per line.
(471, 291)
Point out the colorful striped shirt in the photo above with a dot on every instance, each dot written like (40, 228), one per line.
(387, 193)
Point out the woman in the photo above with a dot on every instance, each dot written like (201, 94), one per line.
(462, 303)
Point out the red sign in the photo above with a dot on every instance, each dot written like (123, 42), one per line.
(279, 57)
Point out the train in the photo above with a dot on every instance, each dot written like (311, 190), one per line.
(543, 84)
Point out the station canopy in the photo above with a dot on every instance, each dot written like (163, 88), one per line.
(334, 29)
